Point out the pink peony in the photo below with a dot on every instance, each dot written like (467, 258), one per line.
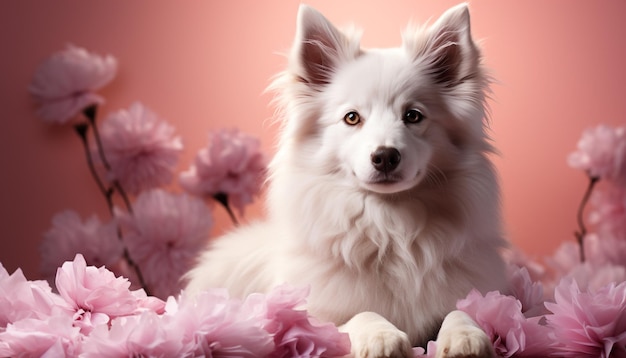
(300, 335)
(53, 336)
(143, 335)
(22, 299)
(231, 164)
(95, 295)
(296, 334)
(164, 235)
(527, 291)
(516, 258)
(64, 84)
(589, 323)
(99, 244)
(502, 319)
(140, 148)
(215, 325)
(602, 153)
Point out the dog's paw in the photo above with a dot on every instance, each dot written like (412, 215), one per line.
(372, 336)
(387, 343)
(460, 337)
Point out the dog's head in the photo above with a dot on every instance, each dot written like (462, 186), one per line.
(384, 120)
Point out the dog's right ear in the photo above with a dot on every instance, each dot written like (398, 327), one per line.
(319, 47)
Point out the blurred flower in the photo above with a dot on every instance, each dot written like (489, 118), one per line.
(140, 148)
(164, 235)
(64, 84)
(95, 295)
(502, 319)
(515, 258)
(589, 323)
(602, 153)
(69, 235)
(603, 266)
(231, 164)
(21, 299)
(528, 292)
(215, 325)
(608, 212)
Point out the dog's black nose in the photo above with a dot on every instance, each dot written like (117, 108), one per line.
(385, 159)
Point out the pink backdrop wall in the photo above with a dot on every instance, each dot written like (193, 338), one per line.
(203, 65)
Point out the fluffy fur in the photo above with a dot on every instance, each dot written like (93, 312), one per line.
(393, 213)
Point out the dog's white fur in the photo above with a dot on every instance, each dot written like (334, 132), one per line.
(403, 243)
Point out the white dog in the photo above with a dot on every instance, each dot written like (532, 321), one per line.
(381, 196)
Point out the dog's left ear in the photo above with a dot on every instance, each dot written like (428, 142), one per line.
(448, 49)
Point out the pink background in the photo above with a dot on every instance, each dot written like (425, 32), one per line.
(203, 65)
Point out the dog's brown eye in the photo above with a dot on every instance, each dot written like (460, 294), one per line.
(413, 116)
(352, 118)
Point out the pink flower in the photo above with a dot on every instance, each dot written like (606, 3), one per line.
(502, 319)
(565, 260)
(69, 235)
(300, 335)
(164, 235)
(528, 292)
(589, 323)
(429, 352)
(21, 299)
(608, 212)
(95, 295)
(143, 335)
(296, 334)
(518, 259)
(64, 84)
(215, 325)
(231, 164)
(603, 265)
(53, 336)
(602, 153)
(140, 148)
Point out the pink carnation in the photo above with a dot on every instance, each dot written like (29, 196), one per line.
(300, 335)
(231, 164)
(99, 244)
(95, 295)
(602, 153)
(589, 323)
(502, 319)
(296, 334)
(64, 84)
(22, 299)
(53, 336)
(527, 291)
(164, 235)
(140, 148)
(215, 325)
(143, 335)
